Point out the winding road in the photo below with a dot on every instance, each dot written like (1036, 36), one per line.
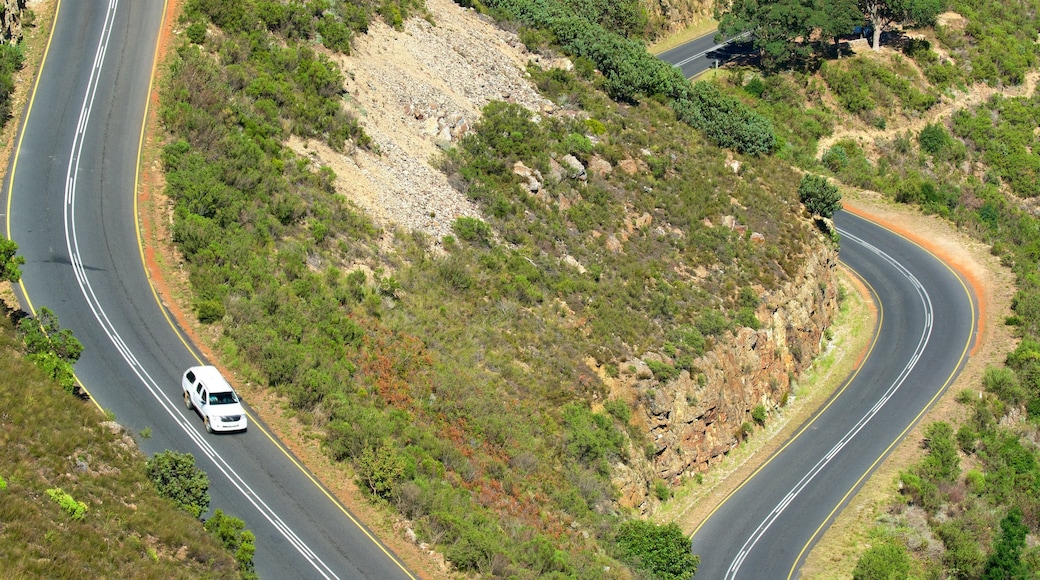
(71, 208)
(926, 326)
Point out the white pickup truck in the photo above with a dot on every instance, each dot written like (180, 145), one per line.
(206, 391)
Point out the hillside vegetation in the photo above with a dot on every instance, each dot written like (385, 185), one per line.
(74, 494)
(463, 379)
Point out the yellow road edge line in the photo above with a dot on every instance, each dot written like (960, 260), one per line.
(834, 397)
(21, 136)
(942, 390)
(14, 169)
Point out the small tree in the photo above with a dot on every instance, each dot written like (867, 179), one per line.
(50, 347)
(176, 477)
(1006, 560)
(9, 262)
(44, 334)
(819, 196)
(380, 468)
(882, 14)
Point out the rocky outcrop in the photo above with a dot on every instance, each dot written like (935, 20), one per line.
(11, 12)
(677, 14)
(692, 422)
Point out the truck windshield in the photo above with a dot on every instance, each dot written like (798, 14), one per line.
(222, 398)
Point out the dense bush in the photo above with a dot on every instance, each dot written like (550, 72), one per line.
(50, 347)
(176, 477)
(882, 562)
(10, 261)
(661, 551)
(238, 540)
(867, 88)
(934, 138)
(726, 121)
(630, 72)
(11, 61)
(821, 197)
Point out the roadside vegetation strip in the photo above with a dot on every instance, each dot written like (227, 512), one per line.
(95, 465)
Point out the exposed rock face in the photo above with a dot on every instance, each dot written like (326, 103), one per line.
(575, 170)
(11, 20)
(677, 14)
(692, 422)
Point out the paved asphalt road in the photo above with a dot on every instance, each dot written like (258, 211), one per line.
(927, 323)
(699, 54)
(71, 210)
(926, 326)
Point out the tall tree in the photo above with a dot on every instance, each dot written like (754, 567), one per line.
(882, 14)
(836, 18)
(780, 28)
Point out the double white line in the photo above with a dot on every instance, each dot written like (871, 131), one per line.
(76, 259)
(922, 343)
(690, 59)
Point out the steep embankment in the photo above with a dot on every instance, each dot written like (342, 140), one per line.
(418, 90)
(663, 215)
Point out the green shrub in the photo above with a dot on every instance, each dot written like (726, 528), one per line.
(238, 540)
(746, 317)
(380, 469)
(661, 490)
(934, 138)
(726, 121)
(1003, 383)
(3, 484)
(819, 195)
(759, 414)
(661, 551)
(1005, 561)
(209, 311)
(196, 32)
(882, 562)
(619, 410)
(44, 334)
(711, 323)
(10, 262)
(835, 158)
(11, 60)
(472, 230)
(591, 438)
(75, 509)
(176, 477)
(942, 463)
(663, 372)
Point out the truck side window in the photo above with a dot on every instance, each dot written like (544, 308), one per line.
(191, 377)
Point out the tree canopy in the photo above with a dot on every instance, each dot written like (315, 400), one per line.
(783, 29)
(819, 196)
(882, 14)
